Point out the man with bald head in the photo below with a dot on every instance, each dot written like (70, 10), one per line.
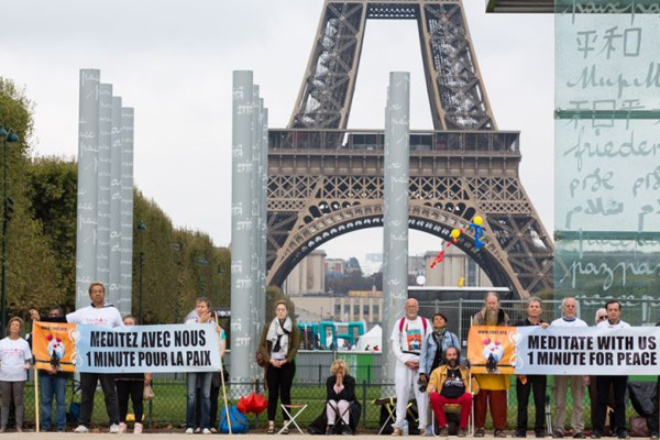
(562, 383)
(407, 337)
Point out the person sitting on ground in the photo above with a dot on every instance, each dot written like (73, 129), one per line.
(452, 384)
(341, 392)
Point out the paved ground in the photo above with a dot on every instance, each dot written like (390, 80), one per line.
(160, 436)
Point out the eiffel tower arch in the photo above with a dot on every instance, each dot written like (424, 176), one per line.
(325, 180)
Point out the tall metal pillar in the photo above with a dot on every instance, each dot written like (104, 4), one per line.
(395, 243)
(103, 227)
(126, 265)
(242, 363)
(114, 286)
(257, 141)
(88, 136)
(264, 215)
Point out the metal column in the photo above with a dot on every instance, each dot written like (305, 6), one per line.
(395, 222)
(126, 272)
(114, 286)
(88, 135)
(241, 254)
(103, 214)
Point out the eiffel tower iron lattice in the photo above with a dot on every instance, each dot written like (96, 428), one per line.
(325, 180)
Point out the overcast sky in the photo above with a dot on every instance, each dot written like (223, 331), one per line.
(172, 60)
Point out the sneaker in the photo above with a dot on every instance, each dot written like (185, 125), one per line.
(596, 434)
(398, 432)
(214, 430)
(285, 431)
(623, 434)
(206, 431)
(444, 432)
(479, 432)
(189, 431)
(81, 429)
(137, 429)
(198, 430)
(540, 433)
(654, 436)
(462, 432)
(578, 434)
(114, 428)
(122, 428)
(520, 433)
(499, 433)
(556, 433)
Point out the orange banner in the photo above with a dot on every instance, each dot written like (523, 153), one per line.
(53, 347)
(492, 350)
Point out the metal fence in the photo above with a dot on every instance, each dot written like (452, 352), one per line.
(168, 409)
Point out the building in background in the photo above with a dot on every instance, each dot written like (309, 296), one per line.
(454, 266)
(308, 277)
(359, 305)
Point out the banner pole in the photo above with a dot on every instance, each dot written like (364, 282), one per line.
(224, 395)
(36, 396)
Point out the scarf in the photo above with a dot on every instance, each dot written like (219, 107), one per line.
(278, 334)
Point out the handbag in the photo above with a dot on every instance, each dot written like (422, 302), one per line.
(148, 393)
(254, 403)
(638, 427)
(260, 360)
(239, 423)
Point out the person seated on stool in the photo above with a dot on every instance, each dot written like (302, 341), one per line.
(341, 392)
(449, 385)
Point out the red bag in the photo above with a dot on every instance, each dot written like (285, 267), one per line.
(254, 403)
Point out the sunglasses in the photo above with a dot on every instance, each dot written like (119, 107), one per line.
(601, 317)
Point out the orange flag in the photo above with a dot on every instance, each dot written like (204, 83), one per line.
(53, 346)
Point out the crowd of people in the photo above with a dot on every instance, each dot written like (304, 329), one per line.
(428, 358)
(428, 361)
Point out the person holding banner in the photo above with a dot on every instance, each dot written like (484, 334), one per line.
(620, 383)
(278, 346)
(52, 383)
(131, 385)
(537, 383)
(15, 361)
(203, 315)
(493, 386)
(407, 337)
(577, 383)
(601, 315)
(452, 384)
(97, 314)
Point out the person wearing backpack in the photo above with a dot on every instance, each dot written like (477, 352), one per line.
(407, 337)
(278, 347)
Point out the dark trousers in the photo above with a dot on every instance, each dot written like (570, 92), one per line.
(88, 383)
(537, 384)
(620, 383)
(213, 412)
(279, 384)
(133, 389)
(653, 422)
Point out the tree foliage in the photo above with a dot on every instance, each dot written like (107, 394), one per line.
(179, 264)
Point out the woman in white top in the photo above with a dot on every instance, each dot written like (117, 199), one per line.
(15, 360)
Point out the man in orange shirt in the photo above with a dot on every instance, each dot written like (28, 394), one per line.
(493, 387)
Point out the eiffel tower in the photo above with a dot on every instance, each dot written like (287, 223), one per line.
(325, 180)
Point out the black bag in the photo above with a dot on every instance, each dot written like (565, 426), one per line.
(318, 426)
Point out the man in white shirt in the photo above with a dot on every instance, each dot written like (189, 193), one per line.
(620, 383)
(577, 383)
(407, 337)
(98, 313)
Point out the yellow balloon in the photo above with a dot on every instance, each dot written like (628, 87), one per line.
(455, 233)
(477, 220)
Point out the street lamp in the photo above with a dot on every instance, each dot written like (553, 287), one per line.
(141, 228)
(7, 213)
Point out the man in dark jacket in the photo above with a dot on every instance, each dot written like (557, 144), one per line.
(525, 384)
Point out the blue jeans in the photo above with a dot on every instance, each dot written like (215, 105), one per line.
(53, 385)
(203, 380)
